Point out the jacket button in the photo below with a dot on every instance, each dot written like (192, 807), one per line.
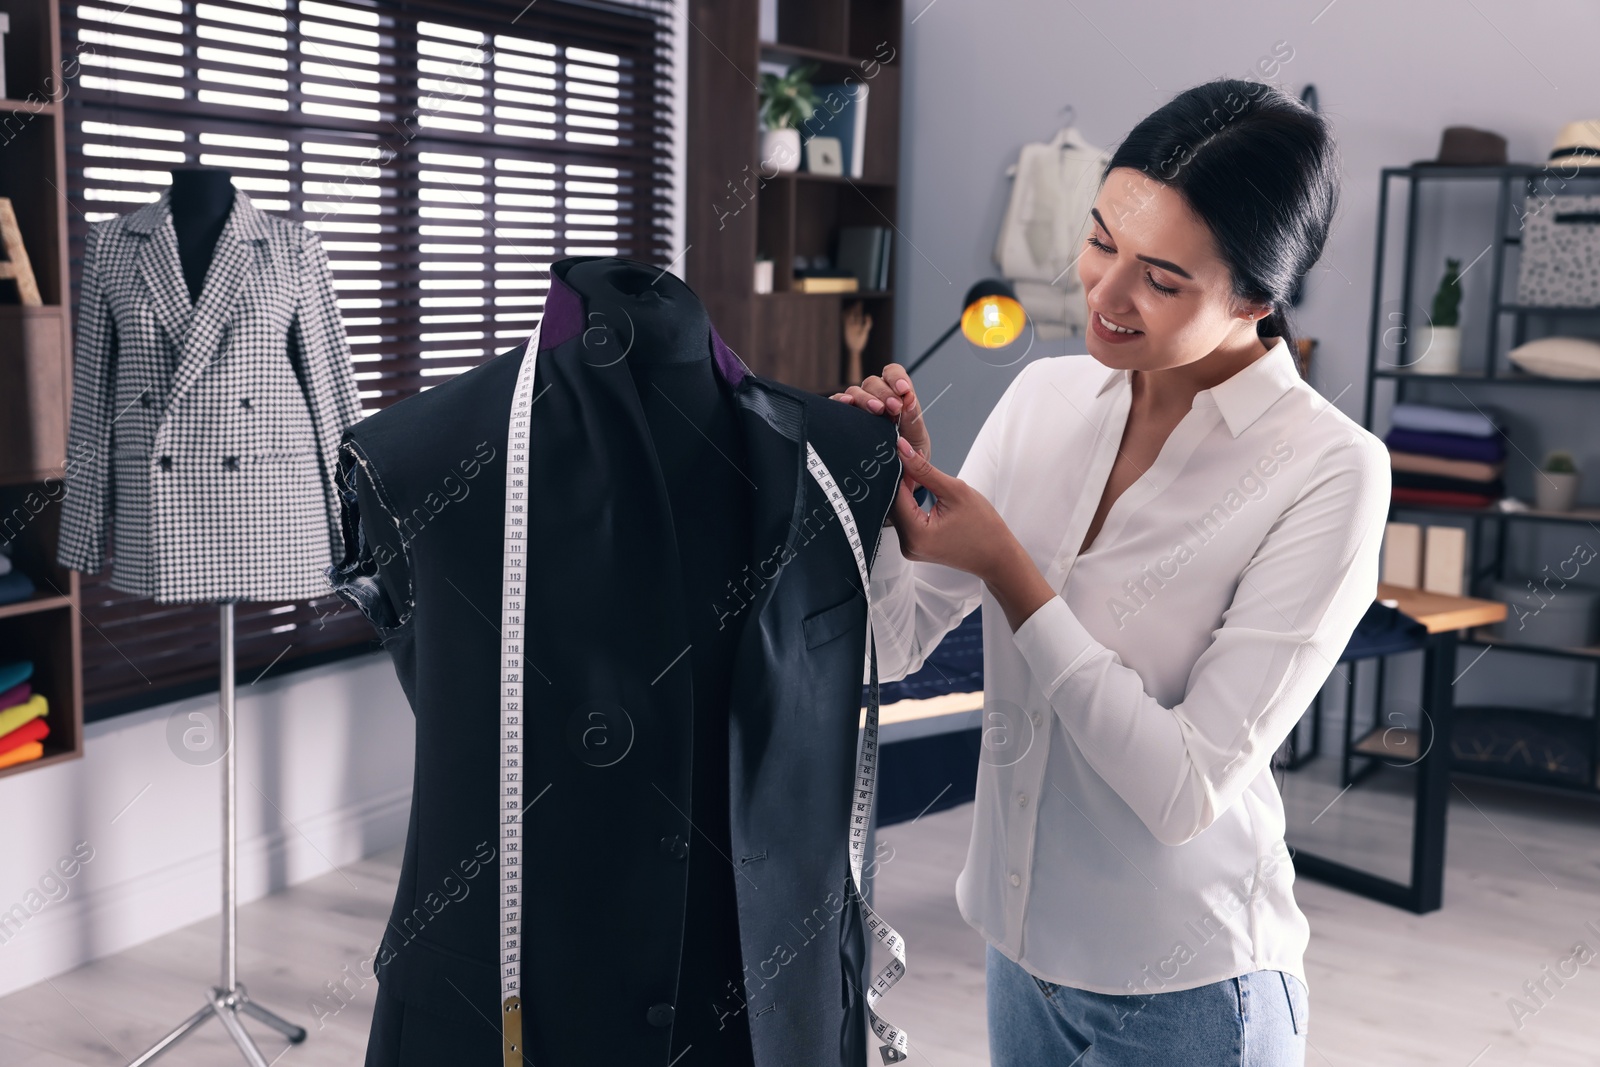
(659, 1015)
(675, 846)
(244, 402)
(144, 400)
(230, 463)
(166, 463)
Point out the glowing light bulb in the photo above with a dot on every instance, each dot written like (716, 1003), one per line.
(993, 321)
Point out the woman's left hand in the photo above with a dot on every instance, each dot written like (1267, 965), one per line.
(963, 530)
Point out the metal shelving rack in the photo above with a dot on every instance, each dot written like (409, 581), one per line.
(1494, 373)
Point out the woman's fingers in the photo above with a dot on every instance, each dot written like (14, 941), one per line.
(891, 394)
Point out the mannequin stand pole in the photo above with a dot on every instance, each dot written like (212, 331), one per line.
(227, 1000)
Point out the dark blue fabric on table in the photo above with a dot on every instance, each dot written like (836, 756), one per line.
(954, 666)
(1383, 631)
(922, 775)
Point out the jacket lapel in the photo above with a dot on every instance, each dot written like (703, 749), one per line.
(240, 254)
(161, 270)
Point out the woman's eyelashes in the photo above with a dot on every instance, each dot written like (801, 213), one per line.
(1162, 289)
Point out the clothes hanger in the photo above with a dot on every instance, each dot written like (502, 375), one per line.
(1067, 136)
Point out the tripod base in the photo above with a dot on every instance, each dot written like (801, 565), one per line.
(226, 1007)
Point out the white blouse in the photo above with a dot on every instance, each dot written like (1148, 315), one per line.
(1127, 833)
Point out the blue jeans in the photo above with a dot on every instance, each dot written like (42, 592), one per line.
(1255, 1020)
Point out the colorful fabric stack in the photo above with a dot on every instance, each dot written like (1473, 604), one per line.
(1445, 456)
(22, 711)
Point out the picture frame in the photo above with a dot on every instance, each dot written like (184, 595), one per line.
(824, 156)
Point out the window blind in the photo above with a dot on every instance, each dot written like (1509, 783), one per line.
(444, 153)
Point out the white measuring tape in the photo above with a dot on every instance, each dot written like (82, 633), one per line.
(513, 594)
(513, 587)
(894, 1040)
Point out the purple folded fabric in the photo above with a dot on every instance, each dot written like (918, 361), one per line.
(17, 694)
(1449, 445)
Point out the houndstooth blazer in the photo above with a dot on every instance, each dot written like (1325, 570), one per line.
(205, 431)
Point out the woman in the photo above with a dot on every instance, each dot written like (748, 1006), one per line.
(1173, 538)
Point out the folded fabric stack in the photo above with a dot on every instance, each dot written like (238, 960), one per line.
(14, 585)
(22, 711)
(1445, 456)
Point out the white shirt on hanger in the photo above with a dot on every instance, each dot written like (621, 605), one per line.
(1127, 832)
(1044, 226)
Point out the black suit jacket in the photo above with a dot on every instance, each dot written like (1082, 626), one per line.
(608, 726)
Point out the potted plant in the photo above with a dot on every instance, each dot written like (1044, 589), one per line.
(1439, 342)
(1555, 487)
(787, 100)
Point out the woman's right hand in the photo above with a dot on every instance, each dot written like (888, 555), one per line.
(892, 395)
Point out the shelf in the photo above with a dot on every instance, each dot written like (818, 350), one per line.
(1523, 745)
(49, 757)
(1390, 741)
(1512, 378)
(37, 602)
(863, 294)
(1503, 170)
(1483, 636)
(1547, 309)
(33, 107)
(1580, 515)
(837, 179)
(829, 60)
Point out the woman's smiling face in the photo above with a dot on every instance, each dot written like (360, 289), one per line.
(1149, 264)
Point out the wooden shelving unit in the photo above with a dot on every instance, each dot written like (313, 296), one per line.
(787, 335)
(35, 380)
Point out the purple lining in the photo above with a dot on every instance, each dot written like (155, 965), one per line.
(563, 320)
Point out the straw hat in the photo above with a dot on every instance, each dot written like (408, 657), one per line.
(1577, 145)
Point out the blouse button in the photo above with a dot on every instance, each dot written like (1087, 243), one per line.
(1016, 879)
(1035, 717)
(1022, 800)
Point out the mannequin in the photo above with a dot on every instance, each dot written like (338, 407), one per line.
(202, 199)
(666, 335)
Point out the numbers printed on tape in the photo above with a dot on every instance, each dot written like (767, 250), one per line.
(895, 1044)
(513, 571)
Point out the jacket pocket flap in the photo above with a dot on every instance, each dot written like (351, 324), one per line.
(829, 623)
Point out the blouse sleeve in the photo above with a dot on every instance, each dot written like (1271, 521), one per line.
(1294, 609)
(915, 604)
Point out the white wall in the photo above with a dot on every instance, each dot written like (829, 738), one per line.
(324, 765)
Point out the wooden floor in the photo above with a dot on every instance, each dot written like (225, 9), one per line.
(1389, 987)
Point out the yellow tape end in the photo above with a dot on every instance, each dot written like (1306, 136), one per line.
(511, 1029)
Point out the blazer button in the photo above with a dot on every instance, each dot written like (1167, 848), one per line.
(230, 463)
(675, 846)
(244, 402)
(166, 463)
(659, 1015)
(145, 400)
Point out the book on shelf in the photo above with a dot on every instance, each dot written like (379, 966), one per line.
(864, 252)
(842, 112)
(829, 281)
